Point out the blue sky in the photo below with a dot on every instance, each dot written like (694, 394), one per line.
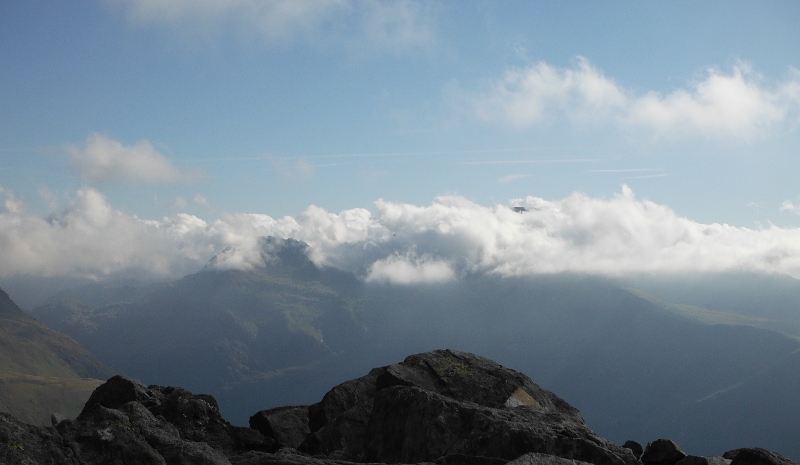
(152, 110)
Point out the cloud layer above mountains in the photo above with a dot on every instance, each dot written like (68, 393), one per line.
(401, 243)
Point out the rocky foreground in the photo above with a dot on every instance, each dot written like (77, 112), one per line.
(442, 406)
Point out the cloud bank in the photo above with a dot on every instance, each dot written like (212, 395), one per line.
(103, 159)
(360, 25)
(720, 105)
(401, 243)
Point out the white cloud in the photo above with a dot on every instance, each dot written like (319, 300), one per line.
(525, 97)
(101, 158)
(720, 105)
(364, 26)
(10, 204)
(788, 206)
(401, 243)
(409, 270)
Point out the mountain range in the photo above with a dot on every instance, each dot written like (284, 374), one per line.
(635, 363)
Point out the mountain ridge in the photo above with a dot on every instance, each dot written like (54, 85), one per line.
(42, 371)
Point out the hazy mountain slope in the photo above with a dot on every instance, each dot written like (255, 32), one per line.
(705, 315)
(761, 410)
(771, 296)
(635, 367)
(42, 371)
(216, 329)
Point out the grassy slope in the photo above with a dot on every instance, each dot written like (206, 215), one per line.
(716, 317)
(42, 371)
(33, 399)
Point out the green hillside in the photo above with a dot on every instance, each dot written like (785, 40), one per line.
(42, 371)
(716, 317)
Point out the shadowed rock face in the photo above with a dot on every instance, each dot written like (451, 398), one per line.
(756, 456)
(447, 407)
(662, 452)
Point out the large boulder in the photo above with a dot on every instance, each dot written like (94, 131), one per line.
(118, 391)
(132, 434)
(451, 406)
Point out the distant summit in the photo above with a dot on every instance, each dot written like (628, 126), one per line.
(288, 258)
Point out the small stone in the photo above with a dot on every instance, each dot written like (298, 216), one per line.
(56, 419)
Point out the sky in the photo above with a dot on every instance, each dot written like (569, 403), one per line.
(144, 137)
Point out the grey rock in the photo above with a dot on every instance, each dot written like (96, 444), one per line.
(662, 452)
(118, 391)
(756, 456)
(56, 418)
(288, 426)
(342, 398)
(450, 407)
(696, 460)
(25, 444)
(718, 460)
(534, 458)
(693, 460)
(634, 447)
(411, 425)
(125, 422)
(103, 435)
(343, 437)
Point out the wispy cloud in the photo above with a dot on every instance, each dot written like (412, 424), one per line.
(533, 161)
(640, 173)
(788, 206)
(735, 104)
(450, 238)
(624, 170)
(512, 177)
(102, 158)
(645, 176)
(292, 168)
(361, 26)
